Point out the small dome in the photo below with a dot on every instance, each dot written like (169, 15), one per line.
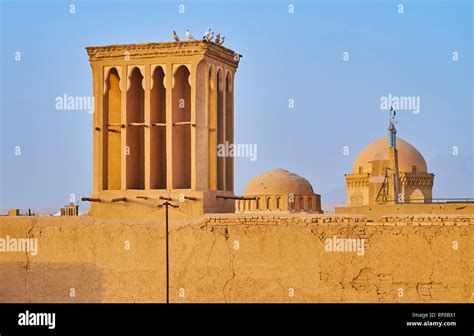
(408, 156)
(278, 182)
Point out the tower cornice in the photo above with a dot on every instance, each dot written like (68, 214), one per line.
(164, 49)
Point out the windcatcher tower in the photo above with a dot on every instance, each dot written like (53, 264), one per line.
(160, 111)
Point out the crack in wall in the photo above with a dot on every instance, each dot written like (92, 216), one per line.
(212, 247)
(27, 265)
(231, 267)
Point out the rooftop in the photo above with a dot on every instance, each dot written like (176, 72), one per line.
(164, 49)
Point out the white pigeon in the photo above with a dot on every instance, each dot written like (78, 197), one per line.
(211, 36)
(207, 34)
(175, 36)
(222, 40)
(188, 35)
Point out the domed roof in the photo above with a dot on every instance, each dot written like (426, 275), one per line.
(408, 156)
(278, 182)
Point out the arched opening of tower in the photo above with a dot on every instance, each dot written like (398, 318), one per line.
(229, 129)
(181, 112)
(134, 152)
(158, 131)
(112, 107)
(220, 130)
(212, 132)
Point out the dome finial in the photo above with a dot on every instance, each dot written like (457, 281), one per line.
(392, 131)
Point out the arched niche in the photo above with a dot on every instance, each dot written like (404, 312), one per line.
(181, 118)
(158, 129)
(220, 128)
(357, 198)
(112, 109)
(268, 203)
(417, 196)
(229, 130)
(177, 68)
(291, 202)
(135, 152)
(301, 203)
(212, 120)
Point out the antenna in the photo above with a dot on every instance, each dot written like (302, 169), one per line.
(391, 180)
(392, 144)
(392, 131)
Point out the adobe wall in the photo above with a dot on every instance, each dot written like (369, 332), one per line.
(431, 209)
(240, 258)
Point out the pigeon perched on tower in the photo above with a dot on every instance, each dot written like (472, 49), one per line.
(189, 35)
(207, 35)
(175, 36)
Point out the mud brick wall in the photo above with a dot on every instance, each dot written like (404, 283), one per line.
(240, 258)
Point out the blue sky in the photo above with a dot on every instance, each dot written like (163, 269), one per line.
(286, 56)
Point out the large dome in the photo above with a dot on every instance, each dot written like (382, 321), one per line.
(408, 156)
(278, 182)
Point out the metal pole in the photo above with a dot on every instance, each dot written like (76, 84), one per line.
(236, 197)
(166, 205)
(167, 259)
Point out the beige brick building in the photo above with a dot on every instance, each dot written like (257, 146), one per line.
(160, 111)
(372, 172)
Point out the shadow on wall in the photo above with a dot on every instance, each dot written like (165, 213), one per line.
(50, 282)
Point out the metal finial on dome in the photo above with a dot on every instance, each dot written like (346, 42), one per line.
(392, 131)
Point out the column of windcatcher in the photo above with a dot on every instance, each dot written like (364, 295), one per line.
(161, 110)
